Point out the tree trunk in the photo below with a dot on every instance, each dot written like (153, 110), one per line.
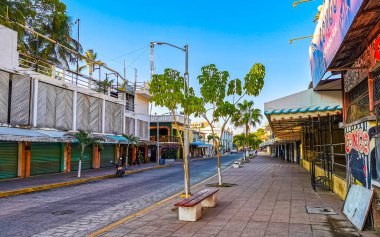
(127, 153)
(79, 168)
(246, 142)
(185, 164)
(80, 159)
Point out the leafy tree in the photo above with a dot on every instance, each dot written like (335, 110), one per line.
(167, 90)
(216, 91)
(239, 140)
(248, 117)
(49, 18)
(90, 62)
(132, 140)
(103, 86)
(85, 139)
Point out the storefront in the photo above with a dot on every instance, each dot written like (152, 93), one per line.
(9, 160)
(348, 47)
(45, 158)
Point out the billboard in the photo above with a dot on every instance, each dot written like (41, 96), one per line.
(333, 24)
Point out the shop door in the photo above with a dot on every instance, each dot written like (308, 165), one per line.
(75, 156)
(107, 155)
(8, 160)
(45, 158)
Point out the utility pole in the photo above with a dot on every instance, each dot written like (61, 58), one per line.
(184, 49)
(78, 30)
(124, 70)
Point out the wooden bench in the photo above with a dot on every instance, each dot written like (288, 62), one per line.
(190, 209)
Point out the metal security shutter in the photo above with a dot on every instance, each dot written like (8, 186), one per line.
(107, 155)
(45, 158)
(8, 159)
(75, 155)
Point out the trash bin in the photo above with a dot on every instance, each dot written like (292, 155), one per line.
(162, 161)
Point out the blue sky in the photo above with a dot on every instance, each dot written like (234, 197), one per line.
(231, 34)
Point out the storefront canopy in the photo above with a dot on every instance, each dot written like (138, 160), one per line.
(200, 144)
(33, 135)
(41, 135)
(288, 114)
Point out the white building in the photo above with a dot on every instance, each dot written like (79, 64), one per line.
(225, 138)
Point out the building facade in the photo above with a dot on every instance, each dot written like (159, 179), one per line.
(43, 105)
(345, 137)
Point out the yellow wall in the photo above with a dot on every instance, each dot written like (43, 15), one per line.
(339, 185)
(306, 164)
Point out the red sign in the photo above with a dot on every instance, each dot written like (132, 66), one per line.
(377, 49)
(357, 140)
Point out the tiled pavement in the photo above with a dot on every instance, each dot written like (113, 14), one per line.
(269, 200)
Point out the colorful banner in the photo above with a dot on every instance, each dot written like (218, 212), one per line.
(333, 25)
(361, 153)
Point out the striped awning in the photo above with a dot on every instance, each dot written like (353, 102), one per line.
(304, 110)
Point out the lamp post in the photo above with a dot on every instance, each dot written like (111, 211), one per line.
(184, 49)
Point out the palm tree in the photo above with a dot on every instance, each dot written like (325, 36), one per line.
(247, 116)
(132, 140)
(48, 18)
(85, 140)
(90, 61)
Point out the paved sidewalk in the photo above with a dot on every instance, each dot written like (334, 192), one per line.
(49, 179)
(269, 200)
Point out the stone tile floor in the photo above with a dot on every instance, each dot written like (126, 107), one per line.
(269, 200)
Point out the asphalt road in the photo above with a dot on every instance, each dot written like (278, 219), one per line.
(81, 209)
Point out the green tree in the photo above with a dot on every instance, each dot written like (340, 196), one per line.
(248, 117)
(167, 90)
(49, 18)
(90, 62)
(85, 139)
(132, 140)
(217, 92)
(103, 86)
(239, 140)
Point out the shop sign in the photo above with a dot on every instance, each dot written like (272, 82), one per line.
(377, 49)
(333, 25)
(358, 140)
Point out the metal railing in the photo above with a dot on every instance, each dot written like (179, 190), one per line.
(165, 139)
(72, 77)
(324, 161)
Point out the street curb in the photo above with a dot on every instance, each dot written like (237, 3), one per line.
(75, 182)
(127, 218)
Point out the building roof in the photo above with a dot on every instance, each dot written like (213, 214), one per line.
(307, 101)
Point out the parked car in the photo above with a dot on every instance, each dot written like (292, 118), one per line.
(234, 151)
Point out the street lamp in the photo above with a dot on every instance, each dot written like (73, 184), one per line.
(184, 49)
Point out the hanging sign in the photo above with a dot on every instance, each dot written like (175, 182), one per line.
(333, 25)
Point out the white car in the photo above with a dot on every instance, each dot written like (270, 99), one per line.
(234, 151)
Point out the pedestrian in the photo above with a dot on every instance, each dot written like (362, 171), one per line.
(282, 155)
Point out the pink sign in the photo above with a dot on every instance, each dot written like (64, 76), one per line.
(333, 25)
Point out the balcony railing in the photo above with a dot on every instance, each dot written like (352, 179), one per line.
(165, 139)
(72, 77)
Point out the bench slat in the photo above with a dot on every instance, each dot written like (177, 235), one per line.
(199, 199)
(196, 198)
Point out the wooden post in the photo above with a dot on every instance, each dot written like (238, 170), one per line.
(133, 154)
(96, 157)
(146, 154)
(21, 160)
